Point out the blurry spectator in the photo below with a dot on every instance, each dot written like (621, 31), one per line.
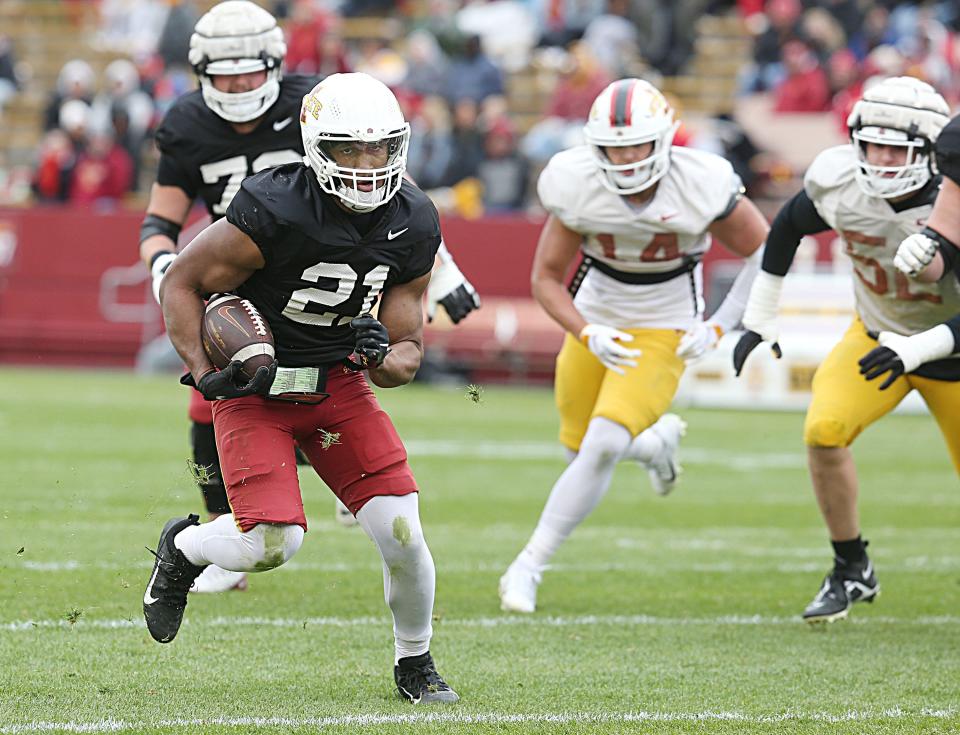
(823, 33)
(613, 38)
(467, 142)
(846, 85)
(581, 80)
(473, 75)
(503, 172)
(121, 90)
(929, 51)
(427, 66)
(507, 29)
(377, 58)
(173, 46)
(874, 31)
(103, 171)
(8, 77)
(431, 144)
(767, 70)
(562, 21)
(60, 150)
(314, 46)
(354, 8)
(131, 26)
(75, 82)
(805, 89)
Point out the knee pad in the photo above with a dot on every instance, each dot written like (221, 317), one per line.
(209, 478)
(605, 441)
(826, 432)
(271, 544)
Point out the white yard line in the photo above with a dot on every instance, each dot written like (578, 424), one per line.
(490, 718)
(19, 626)
(522, 451)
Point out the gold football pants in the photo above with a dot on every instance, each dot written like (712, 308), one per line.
(844, 403)
(584, 388)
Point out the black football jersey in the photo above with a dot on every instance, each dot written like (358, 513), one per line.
(202, 154)
(948, 151)
(321, 270)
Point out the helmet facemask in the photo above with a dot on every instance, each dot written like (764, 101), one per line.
(891, 182)
(360, 189)
(240, 107)
(634, 177)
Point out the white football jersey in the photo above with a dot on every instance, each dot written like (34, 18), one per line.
(871, 231)
(657, 237)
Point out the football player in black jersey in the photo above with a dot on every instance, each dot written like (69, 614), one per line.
(241, 121)
(928, 256)
(314, 247)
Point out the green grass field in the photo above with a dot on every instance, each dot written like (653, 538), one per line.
(660, 615)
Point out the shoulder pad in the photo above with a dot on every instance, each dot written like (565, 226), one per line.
(832, 168)
(561, 183)
(948, 151)
(707, 181)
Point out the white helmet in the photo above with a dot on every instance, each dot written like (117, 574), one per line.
(238, 37)
(631, 112)
(900, 111)
(354, 107)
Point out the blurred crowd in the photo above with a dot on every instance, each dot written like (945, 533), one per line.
(450, 61)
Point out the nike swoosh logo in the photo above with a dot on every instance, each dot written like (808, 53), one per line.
(391, 234)
(281, 124)
(149, 599)
(665, 217)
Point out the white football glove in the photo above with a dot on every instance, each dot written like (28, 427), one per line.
(449, 288)
(604, 342)
(699, 340)
(158, 270)
(915, 254)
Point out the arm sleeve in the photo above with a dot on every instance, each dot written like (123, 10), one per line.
(798, 217)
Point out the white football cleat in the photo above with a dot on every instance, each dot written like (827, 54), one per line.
(518, 588)
(214, 579)
(342, 514)
(664, 468)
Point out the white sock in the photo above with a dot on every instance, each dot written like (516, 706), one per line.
(577, 491)
(644, 447)
(220, 542)
(409, 578)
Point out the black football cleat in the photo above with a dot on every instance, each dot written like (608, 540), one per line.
(166, 595)
(419, 683)
(843, 586)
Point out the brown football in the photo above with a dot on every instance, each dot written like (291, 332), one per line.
(233, 329)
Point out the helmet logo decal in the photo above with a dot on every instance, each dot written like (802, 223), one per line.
(312, 105)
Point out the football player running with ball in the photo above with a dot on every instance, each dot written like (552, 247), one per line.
(314, 247)
(873, 192)
(241, 121)
(642, 214)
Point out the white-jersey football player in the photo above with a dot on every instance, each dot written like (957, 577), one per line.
(642, 214)
(873, 192)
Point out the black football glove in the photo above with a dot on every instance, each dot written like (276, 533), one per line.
(372, 342)
(460, 302)
(879, 361)
(748, 343)
(217, 385)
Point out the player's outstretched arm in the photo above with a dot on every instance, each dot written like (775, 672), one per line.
(401, 312)
(929, 254)
(166, 212)
(217, 260)
(742, 232)
(450, 289)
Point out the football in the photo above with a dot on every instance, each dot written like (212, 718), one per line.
(232, 330)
